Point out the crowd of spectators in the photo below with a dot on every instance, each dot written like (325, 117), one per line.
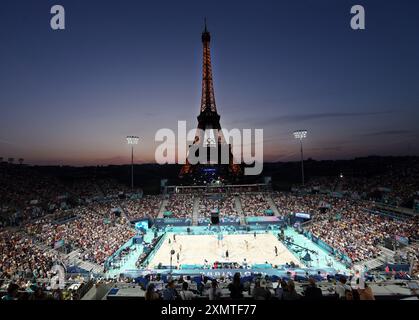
(97, 231)
(358, 233)
(23, 289)
(22, 258)
(397, 186)
(34, 201)
(258, 288)
(112, 188)
(19, 185)
(27, 193)
(287, 203)
(319, 206)
(148, 206)
(180, 205)
(224, 205)
(254, 204)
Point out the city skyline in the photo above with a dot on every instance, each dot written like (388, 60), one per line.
(71, 97)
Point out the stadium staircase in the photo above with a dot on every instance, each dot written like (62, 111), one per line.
(98, 292)
(338, 186)
(369, 264)
(124, 215)
(43, 246)
(386, 256)
(73, 256)
(91, 267)
(73, 259)
(99, 190)
(239, 209)
(272, 204)
(162, 208)
(195, 212)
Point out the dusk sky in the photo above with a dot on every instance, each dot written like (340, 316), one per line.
(132, 67)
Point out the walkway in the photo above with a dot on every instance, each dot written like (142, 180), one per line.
(272, 204)
(162, 208)
(239, 208)
(73, 258)
(195, 212)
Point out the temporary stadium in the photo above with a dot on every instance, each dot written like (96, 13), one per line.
(90, 210)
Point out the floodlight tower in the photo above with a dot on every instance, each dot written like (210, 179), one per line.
(132, 140)
(301, 134)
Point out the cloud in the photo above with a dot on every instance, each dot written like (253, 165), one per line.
(318, 116)
(336, 148)
(149, 114)
(387, 133)
(6, 142)
(295, 118)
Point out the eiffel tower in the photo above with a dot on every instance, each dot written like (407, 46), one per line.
(209, 122)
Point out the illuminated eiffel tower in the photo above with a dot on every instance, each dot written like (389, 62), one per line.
(209, 122)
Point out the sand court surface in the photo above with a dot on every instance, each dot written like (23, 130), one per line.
(195, 249)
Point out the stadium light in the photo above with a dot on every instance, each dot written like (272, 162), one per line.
(301, 134)
(132, 140)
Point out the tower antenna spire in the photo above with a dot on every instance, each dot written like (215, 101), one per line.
(205, 24)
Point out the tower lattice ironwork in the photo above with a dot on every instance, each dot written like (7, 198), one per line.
(208, 96)
(209, 119)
